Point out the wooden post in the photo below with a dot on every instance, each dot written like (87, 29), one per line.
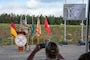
(32, 39)
(38, 40)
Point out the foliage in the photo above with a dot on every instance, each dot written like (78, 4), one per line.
(5, 18)
(73, 34)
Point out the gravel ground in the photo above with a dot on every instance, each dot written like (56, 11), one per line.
(69, 52)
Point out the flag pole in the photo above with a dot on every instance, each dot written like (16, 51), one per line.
(32, 36)
(12, 36)
(38, 40)
(38, 30)
(87, 25)
(38, 36)
(32, 39)
(13, 28)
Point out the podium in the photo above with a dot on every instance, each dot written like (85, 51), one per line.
(21, 32)
(21, 48)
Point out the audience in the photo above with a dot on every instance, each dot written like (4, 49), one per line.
(51, 51)
(85, 56)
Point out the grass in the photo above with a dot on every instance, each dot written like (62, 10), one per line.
(73, 34)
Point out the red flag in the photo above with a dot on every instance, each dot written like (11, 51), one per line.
(46, 25)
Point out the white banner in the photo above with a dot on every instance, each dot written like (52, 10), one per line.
(74, 11)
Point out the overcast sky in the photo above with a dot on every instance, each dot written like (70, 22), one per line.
(36, 7)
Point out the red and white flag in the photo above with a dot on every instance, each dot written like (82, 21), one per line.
(38, 28)
(46, 25)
